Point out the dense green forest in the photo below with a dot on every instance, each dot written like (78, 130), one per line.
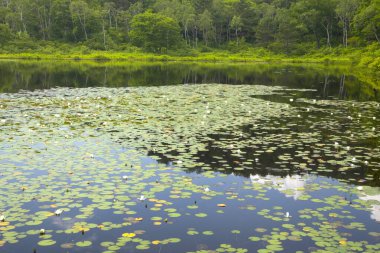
(159, 26)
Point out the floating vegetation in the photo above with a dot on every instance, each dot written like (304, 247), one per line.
(230, 168)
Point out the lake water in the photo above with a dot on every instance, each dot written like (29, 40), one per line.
(174, 157)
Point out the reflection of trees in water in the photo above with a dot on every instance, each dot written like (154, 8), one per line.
(34, 75)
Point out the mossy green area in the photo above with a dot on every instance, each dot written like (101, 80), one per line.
(364, 57)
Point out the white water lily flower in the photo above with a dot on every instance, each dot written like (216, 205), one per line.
(360, 188)
(58, 212)
(2, 217)
(142, 198)
(42, 231)
(125, 177)
(206, 189)
(287, 215)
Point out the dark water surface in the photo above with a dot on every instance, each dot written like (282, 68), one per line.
(173, 157)
(330, 82)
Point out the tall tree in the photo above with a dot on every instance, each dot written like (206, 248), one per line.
(236, 24)
(155, 32)
(346, 11)
(289, 29)
(206, 26)
(367, 21)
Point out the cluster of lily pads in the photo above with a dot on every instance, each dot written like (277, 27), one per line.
(111, 170)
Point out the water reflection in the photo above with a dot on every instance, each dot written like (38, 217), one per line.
(293, 186)
(331, 82)
(375, 208)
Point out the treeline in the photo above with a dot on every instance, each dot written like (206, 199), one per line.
(160, 25)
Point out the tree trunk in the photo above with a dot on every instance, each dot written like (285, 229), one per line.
(104, 36)
(327, 33)
(236, 34)
(195, 36)
(376, 36)
(83, 24)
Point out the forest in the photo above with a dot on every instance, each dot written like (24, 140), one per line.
(161, 26)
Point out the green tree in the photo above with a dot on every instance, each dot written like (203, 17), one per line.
(206, 26)
(346, 10)
(367, 21)
(6, 34)
(289, 29)
(236, 24)
(267, 25)
(80, 12)
(155, 32)
(318, 17)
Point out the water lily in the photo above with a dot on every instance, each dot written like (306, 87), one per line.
(42, 231)
(58, 212)
(287, 215)
(206, 189)
(142, 198)
(125, 177)
(360, 188)
(2, 217)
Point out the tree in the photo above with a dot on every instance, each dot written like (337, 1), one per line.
(267, 26)
(155, 32)
(80, 11)
(346, 10)
(236, 24)
(318, 17)
(367, 21)
(289, 29)
(181, 11)
(62, 25)
(6, 34)
(206, 26)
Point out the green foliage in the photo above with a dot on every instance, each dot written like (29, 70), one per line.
(293, 27)
(6, 34)
(155, 32)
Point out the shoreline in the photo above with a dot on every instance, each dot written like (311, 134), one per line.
(201, 58)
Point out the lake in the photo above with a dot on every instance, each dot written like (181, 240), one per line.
(188, 157)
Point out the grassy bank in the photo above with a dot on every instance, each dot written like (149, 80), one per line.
(366, 57)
